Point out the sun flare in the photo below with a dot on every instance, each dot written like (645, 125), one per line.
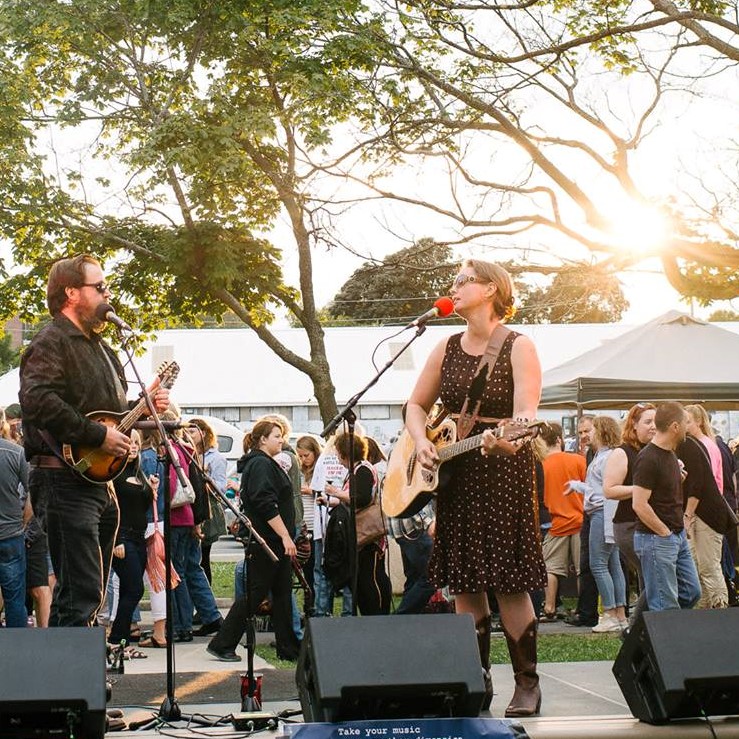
(637, 227)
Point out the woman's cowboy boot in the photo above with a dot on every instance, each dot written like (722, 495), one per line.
(482, 627)
(527, 695)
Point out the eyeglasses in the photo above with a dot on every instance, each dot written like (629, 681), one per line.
(461, 280)
(101, 287)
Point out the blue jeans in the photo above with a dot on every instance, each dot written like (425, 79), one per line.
(13, 580)
(415, 553)
(181, 601)
(198, 586)
(324, 590)
(240, 580)
(605, 564)
(670, 577)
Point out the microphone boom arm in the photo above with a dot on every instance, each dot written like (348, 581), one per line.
(343, 414)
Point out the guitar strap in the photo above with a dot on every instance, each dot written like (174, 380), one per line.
(471, 409)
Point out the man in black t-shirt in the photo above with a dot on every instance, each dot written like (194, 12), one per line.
(670, 577)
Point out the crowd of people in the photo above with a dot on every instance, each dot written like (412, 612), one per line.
(646, 505)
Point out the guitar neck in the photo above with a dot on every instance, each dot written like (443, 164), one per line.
(132, 416)
(459, 447)
(510, 432)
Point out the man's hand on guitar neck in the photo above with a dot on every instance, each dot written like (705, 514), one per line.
(115, 443)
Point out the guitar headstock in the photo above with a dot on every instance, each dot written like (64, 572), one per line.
(167, 374)
(512, 430)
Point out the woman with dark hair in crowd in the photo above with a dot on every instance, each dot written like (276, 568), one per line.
(374, 592)
(267, 500)
(637, 431)
(135, 494)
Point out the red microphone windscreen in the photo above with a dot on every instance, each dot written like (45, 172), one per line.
(445, 306)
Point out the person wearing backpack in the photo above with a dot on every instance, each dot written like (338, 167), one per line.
(374, 591)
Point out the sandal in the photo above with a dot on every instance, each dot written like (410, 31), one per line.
(135, 634)
(133, 653)
(151, 642)
(548, 617)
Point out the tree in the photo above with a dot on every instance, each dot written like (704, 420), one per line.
(399, 288)
(9, 357)
(542, 112)
(723, 315)
(190, 123)
(575, 295)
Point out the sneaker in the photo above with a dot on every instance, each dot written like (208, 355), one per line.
(623, 623)
(607, 624)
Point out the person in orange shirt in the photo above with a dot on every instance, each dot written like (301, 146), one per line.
(562, 543)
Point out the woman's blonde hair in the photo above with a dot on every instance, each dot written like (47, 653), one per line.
(699, 414)
(504, 292)
(607, 431)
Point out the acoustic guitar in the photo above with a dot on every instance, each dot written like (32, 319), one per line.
(408, 486)
(93, 463)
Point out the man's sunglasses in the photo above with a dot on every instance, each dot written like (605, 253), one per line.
(101, 287)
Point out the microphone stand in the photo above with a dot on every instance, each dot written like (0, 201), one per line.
(169, 710)
(347, 415)
(249, 702)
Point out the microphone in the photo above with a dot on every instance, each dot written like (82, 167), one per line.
(442, 308)
(105, 312)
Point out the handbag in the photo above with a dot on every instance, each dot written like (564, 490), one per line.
(369, 521)
(183, 494)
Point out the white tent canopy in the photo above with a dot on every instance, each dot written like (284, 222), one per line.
(672, 357)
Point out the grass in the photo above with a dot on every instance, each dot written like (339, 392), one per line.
(551, 647)
(565, 648)
(223, 579)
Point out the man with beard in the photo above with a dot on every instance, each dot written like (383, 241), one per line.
(66, 372)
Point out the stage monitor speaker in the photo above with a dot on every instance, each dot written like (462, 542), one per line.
(374, 667)
(681, 664)
(52, 683)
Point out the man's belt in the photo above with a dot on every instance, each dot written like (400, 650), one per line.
(49, 462)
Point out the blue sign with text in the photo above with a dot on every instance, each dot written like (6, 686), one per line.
(426, 728)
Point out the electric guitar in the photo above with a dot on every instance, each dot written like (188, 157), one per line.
(93, 463)
(408, 486)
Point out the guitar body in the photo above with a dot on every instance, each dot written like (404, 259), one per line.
(408, 486)
(93, 463)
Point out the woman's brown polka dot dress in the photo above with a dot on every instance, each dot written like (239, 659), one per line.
(487, 532)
